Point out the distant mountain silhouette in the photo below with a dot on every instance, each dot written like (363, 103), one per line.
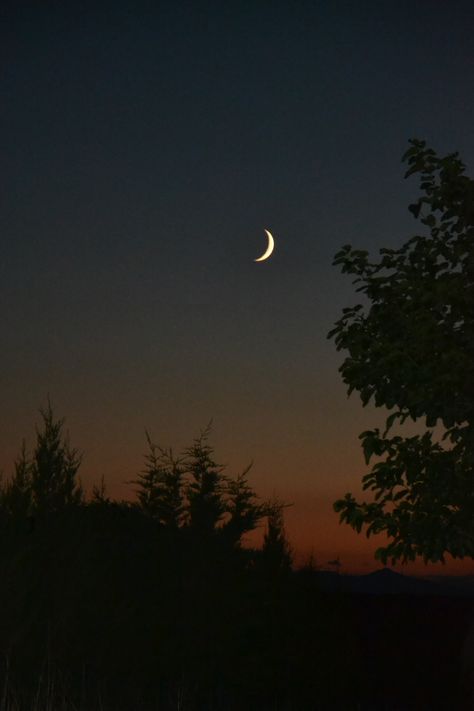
(387, 582)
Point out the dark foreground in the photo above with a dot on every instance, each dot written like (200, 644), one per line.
(103, 611)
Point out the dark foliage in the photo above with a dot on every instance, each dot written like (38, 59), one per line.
(412, 352)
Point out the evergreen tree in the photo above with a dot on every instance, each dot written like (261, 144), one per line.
(160, 486)
(276, 551)
(99, 493)
(206, 505)
(243, 507)
(54, 467)
(17, 498)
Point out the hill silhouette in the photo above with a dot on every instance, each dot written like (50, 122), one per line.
(389, 582)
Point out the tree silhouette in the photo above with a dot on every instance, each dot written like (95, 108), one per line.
(412, 351)
(17, 494)
(245, 512)
(276, 551)
(205, 491)
(160, 486)
(99, 493)
(54, 467)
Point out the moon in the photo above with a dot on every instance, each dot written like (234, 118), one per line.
(269, 249)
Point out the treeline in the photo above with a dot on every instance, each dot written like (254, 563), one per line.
(190, 492)
(155, 603)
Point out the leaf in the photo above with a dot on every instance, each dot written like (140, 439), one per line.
(414, 169)
(415, 209)
(389, 422)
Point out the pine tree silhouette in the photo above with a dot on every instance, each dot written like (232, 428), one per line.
(54, 467)
(160, 486)
(206, 505)
(17, 498)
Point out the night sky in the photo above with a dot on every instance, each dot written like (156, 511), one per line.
(143, 152)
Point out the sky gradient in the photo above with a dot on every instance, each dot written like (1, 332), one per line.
(143, 153)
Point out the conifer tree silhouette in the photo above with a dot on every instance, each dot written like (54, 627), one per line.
(242, 506)
(205, 491)
(160, 486)
(99, 493)
(17, 498)
(276, 551)
(54, 467)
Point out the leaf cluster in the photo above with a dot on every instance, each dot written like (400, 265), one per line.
(411, 350)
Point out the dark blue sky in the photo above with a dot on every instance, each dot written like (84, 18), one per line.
(145, 147)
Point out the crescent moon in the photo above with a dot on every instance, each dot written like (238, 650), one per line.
(269, 249)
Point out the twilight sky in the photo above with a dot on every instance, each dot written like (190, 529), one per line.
(143, 152)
